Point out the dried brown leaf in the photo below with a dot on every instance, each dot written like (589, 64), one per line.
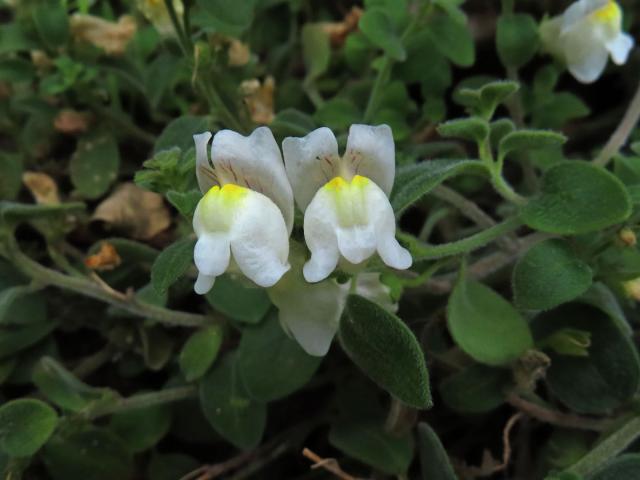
(136, 212)
(43, 188)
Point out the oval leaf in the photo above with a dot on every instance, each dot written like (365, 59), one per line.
(25, 425)
(434, 461)
(171, 264)
(485, 325)
(386, 350)
(577, 197)
(228, 407)
(200, 351)
(549, 274)
(270, 364)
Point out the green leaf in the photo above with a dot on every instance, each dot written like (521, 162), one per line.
(476, 389)
(414, 181)
(316, 50)
(142, 428)
(292, 122)
(94, 165)
(577, 197)
(599, 383)
(180, 131)
(270, 364)
(434, 461)
(516, 39)
(20, 305)
(241, 303)
(379, 28)
(61, 387)
(485, 325)
(529, 140)
(10, 175)
(499, 129)
(91, 453)
(340, 113)
(485, 98)
(25, 425)
(386, 350)
(228, 17)
(549, 274)
(16, 338)
(474, 129)
(200, 351)
(228, 407)
(453, 39)
(52, 22)
(171, 264)
(368, 442)
(185, 202)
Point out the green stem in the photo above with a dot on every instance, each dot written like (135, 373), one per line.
(385, 69)
(93, 289)
(468, 244)
(608, 448)
(505, 190)
(143, 400)
(183, 41)
(129, 128)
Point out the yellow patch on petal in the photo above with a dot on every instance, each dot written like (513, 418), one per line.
(349, 198)
(608, 14)
(218, 205)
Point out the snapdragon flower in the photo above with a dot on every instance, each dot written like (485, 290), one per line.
(247, 210)
(347, 213)
(585, 35)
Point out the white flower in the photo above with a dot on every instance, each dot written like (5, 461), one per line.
(310, 312)
(247, 210)
(585, 35)
(346, 210)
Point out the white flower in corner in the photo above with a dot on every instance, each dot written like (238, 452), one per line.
(345, 199)
(585, 35)
(247, 210)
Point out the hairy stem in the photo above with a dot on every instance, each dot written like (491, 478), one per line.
(143, 400)
(608, 448)
(92, 289)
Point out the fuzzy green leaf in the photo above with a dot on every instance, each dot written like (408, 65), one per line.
(200, 351)
(171, 264)
(577, 197)
(549, 274)
(434, 461)
(386, 350)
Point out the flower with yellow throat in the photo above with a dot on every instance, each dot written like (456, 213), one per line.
(586, 35)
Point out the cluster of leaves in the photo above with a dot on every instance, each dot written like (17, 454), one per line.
(515, 309)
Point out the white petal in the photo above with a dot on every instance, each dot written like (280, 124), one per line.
(204, 283)
(585, 52)
(587, 67)
(620, 47)
(310, 161)
(260, 240)
(380, 211)
(372, 151)
(579, 10)
(204, 170)
(212, 253)
(368, 285)
(254, 162)
(356, 243)
(320, 225)
(309, 312)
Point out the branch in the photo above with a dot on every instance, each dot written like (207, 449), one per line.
(554, 417)
(621, 134)
(92, 289)
(143, 400)
(329, 464)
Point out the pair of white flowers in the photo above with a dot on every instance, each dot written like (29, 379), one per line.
(585, 35)
(246, 215)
